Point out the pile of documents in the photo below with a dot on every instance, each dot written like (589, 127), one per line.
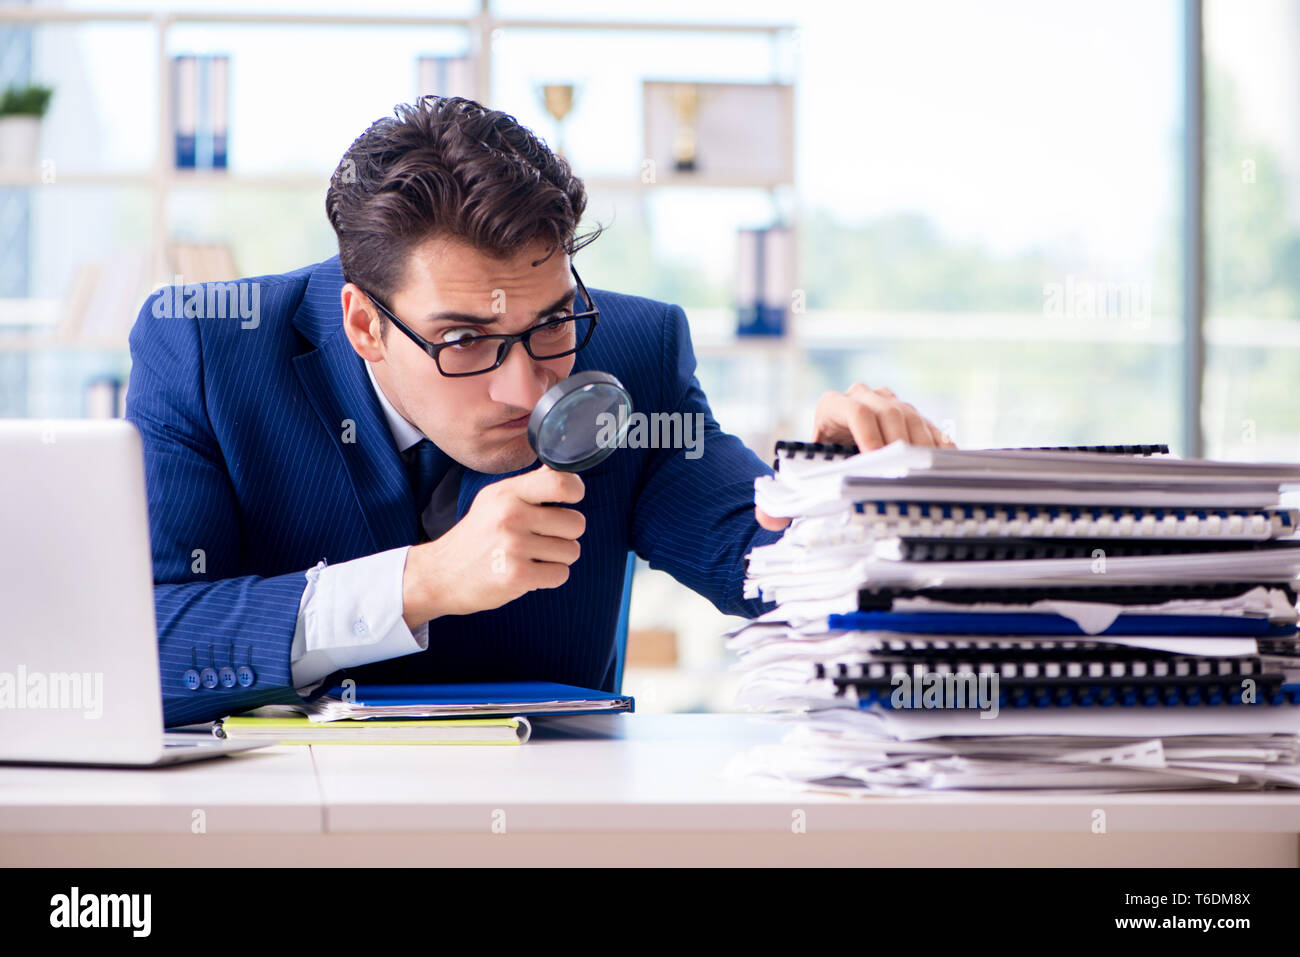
(460, 713)
(1025, 619)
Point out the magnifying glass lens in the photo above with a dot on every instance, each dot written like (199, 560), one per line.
(579, 421)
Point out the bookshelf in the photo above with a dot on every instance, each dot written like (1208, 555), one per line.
(156, 187)
(161, 179)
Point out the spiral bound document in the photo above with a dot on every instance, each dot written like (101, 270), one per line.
(1019, 479)
(884, 599)
(786, 449)
(1146, 682)
(956, 520)
(1282, 651)
(918, 549)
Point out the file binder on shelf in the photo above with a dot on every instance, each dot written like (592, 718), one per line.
(201, 110)
(185, 109)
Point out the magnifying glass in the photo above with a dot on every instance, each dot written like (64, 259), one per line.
(579, 421)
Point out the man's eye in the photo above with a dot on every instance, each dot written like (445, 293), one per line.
(456, 335)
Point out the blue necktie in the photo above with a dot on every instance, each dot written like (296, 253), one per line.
(426, 467)
(424, 464)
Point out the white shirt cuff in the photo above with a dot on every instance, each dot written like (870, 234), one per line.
(351, 615)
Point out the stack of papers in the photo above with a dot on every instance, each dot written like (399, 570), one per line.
(462, 713)
(1010, 619)
(498, 699)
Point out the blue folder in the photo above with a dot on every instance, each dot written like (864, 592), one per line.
(514, 698)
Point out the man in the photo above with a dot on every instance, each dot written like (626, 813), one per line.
(340, 479)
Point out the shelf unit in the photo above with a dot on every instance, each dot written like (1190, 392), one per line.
(162, 179)
(480, 28)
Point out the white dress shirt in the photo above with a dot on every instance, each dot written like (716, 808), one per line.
(351, 613)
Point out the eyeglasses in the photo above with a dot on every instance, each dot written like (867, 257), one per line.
(474, 355)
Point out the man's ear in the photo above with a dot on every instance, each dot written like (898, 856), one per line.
(362, 324)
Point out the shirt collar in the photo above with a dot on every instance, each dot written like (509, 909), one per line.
(404, 433)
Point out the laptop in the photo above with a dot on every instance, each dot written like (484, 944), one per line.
(79, 681)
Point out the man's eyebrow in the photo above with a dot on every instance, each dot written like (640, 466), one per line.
(472, 320)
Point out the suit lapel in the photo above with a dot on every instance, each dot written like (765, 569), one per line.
(333, 377)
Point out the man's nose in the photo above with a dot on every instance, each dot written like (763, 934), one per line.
(519, 381)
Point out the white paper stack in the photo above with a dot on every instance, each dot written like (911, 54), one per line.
(1025, 619)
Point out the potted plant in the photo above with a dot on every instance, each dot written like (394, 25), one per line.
(21, 109)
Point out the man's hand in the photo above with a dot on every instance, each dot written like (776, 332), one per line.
(869, 419)
(508, 543)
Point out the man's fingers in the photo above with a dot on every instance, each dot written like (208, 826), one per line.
(941, 439)
(553, 521)
(872, 418)
(876, 415)
(843, 419)
(877, 419)
(825, 426)
(861, 388)
(769, 522)
(546, 575)
(545, 484)
(544, 548)
(918, 429)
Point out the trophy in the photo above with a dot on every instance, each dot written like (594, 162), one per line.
(686, 102)
(558, 100)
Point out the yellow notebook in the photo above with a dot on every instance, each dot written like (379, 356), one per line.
(303, 730)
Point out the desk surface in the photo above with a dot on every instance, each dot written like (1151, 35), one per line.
(600, 788)
(606, 773)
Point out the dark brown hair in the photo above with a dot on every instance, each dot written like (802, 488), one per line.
(448, 166)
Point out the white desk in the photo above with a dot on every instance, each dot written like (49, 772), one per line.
(648, 791)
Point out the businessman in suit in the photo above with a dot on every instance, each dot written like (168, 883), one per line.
(337, 462)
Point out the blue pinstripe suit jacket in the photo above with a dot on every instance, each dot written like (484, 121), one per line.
(251, 481)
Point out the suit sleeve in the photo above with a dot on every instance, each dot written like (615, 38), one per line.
(208, 615)
(694, 513)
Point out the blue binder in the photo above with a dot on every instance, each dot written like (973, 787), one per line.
(513, 698)
(1040, 623)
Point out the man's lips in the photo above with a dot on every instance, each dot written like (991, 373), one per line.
(519, 423)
